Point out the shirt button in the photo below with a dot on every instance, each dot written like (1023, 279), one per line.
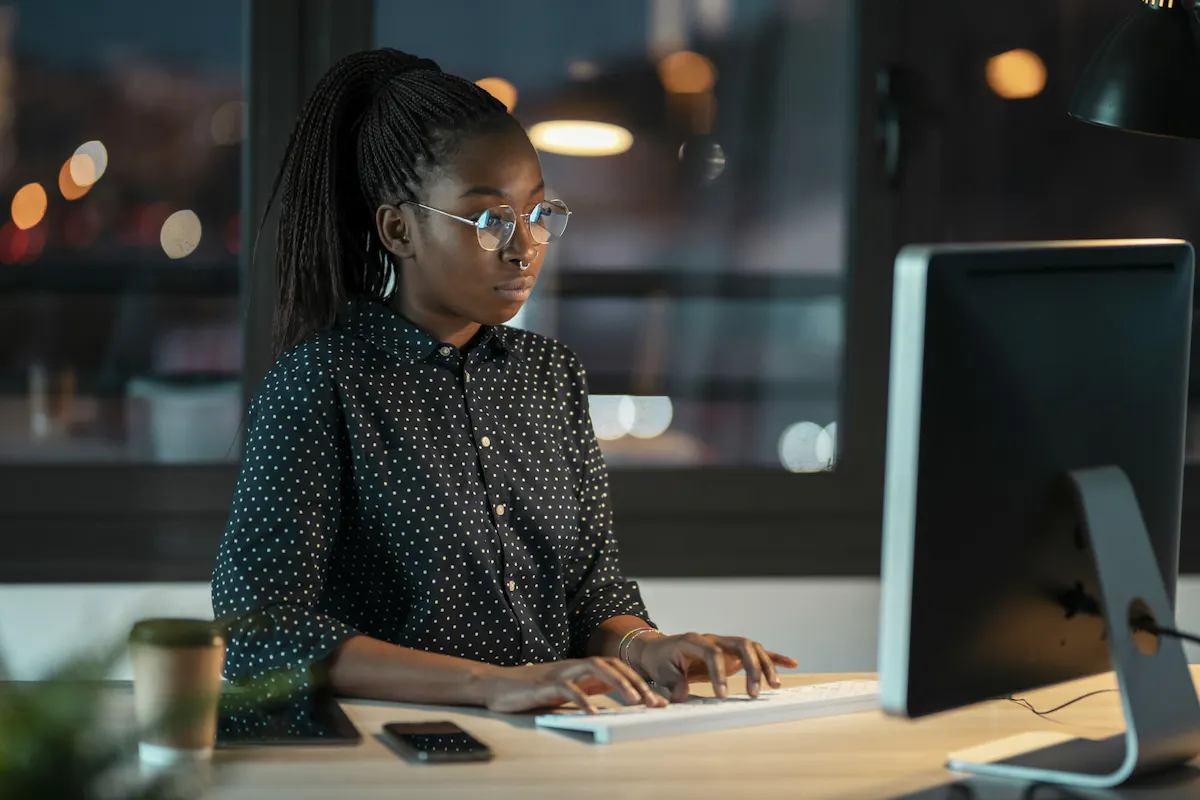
(529, 663)
(444, 350)
(512, 586)
(467, 377)
(500, 510)
(486, 442)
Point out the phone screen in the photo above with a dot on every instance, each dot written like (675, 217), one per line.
(435, 741)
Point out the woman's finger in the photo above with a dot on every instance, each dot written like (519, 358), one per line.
(713, 657)
(749, 656)
(781, 660)
(603, 669)
(621, 674)
(680, 691)
(768, 666)
(573, 692)
(648, 695)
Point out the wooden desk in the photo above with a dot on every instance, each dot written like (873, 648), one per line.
(865, 755)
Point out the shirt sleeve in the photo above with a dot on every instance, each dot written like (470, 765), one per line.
(596, 590)
(283, 527)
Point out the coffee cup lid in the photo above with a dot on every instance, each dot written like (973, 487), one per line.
(177, 632)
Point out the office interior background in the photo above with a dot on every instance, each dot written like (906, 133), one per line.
(744, 175)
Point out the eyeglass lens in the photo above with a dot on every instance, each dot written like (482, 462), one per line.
(547, 221)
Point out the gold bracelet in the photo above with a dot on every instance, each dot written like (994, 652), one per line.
(621, 646)
(633, 634)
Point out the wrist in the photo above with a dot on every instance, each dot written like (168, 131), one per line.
(637, 649)
(480, 683)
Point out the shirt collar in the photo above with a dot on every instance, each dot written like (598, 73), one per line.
(393, 332)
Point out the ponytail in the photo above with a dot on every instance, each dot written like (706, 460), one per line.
(375, 126)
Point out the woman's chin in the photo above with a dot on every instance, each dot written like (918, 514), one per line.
(502, 315)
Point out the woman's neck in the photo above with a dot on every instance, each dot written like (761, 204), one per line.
(442, 328)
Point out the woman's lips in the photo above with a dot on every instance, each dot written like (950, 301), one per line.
(515, 291)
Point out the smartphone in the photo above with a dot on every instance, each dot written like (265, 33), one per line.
(434, 741)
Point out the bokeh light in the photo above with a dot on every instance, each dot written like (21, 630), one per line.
(500, 89)
(66, 183)
(583, 70)
(35, 240)
(1017, 74)
(806, 447)
(703, 159)
(29, 205)
(612, 415)
(685, 72)
(180, 233)
(89, 163)
(827, 445)
(652, 416)
(13, 243)
(228, 123)
(572, 137)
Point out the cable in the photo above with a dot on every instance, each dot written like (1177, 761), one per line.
(1150, 627)
(1021, 701)
(1143, 624)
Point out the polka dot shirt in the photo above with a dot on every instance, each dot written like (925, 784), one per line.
(453, 501)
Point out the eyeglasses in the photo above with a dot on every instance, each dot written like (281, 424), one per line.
(495, 227)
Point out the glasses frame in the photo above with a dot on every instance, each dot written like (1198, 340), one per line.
(475, 224)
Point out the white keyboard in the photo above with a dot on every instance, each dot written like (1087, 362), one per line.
(698, 714)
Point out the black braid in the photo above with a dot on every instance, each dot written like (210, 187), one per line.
(376, 126)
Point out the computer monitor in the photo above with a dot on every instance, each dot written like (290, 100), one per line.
(1034, 472)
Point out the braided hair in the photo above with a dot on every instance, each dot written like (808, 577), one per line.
(377, 125)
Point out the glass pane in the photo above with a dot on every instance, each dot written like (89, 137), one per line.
(702, 269)
(120, 149)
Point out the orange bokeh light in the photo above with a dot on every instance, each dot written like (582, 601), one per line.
(685, 72)
(29, 206)
(500, 89)
(67, 185)
(1017, 74)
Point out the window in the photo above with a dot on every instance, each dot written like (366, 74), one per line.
(701, 281)
(715, 263)
(120, 156)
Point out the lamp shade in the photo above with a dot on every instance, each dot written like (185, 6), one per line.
(1145, 78)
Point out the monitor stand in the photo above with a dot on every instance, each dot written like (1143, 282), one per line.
(1162, 714)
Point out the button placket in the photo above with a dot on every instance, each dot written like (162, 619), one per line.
(493, 479)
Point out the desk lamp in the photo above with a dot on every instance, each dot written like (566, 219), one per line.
(1145, 77)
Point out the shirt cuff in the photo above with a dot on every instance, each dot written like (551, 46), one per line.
(601, 605)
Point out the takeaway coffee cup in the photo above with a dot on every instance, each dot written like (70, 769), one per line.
(177, 667)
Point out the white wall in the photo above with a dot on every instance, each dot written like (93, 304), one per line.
(829, 625)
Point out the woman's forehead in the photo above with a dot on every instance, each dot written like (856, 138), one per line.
(500, 164)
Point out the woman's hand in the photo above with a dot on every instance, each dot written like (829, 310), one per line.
(676, 661)
(510, 689)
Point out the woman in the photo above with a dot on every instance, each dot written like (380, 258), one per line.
(422, 512)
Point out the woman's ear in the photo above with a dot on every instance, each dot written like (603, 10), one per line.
(394, 226)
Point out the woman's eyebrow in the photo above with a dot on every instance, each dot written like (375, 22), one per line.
(487, 191)
(492, 191)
